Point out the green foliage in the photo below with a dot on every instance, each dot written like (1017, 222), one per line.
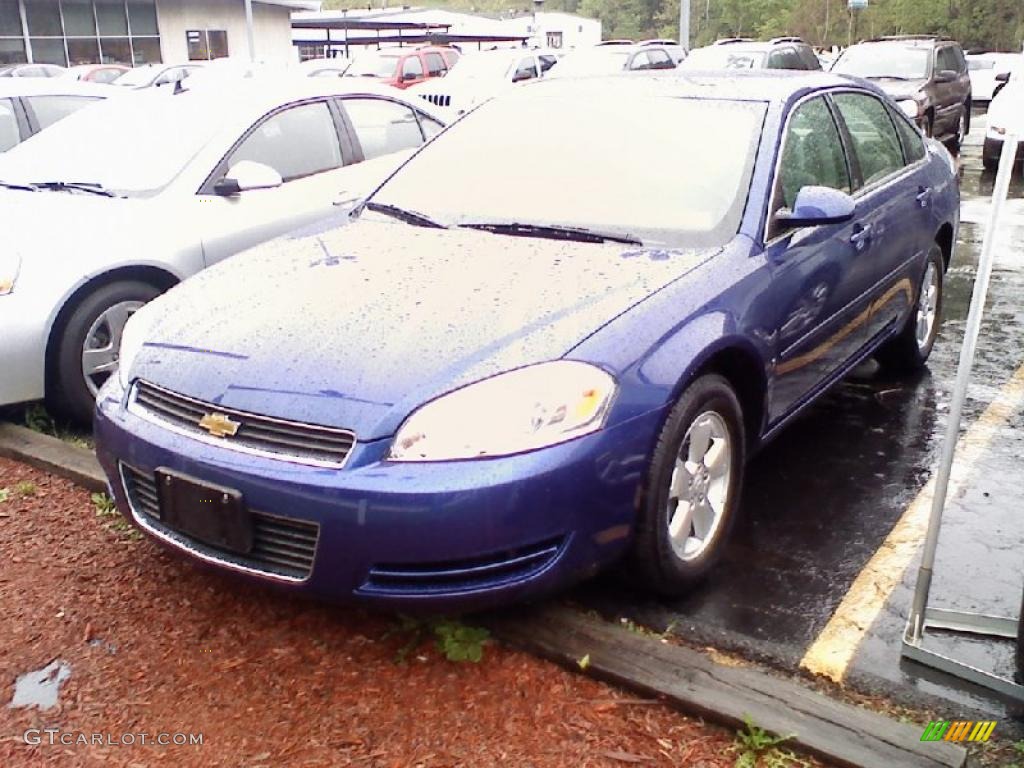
(5, 494)
(112, 519)
(756, 748)
(26, 489)
(39, 420)
(455, 640)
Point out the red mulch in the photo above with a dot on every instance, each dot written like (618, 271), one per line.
(156, 645)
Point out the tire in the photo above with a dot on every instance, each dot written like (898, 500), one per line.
(909, 350)
(968, 106)
(667, 564)
(98, 317)
(990, 154)
(960, 132)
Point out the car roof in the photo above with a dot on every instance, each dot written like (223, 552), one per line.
(230, 97)
(53, 86)
(777, 85)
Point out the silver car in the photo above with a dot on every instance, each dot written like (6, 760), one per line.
(120, 201)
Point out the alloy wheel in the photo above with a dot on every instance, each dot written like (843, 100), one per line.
(103, 343)
(699, 490)
(927, 306)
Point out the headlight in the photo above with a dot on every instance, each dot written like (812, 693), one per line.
(910, 107)
(10, 265)
(132, 338)
(512, 412)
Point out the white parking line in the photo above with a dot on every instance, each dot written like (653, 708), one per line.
(833, 650)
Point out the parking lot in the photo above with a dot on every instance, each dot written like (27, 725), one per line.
(839, 492)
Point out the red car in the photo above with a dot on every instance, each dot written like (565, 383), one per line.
(402, 67)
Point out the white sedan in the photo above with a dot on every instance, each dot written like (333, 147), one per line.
(120, 201)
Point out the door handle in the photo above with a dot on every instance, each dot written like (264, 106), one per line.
(924, 196)
(861, 236)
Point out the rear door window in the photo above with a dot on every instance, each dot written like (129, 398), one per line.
(296, 142)
(9, 133)
(660, 60)
(875, 143)
(49, 109)
(383, 126)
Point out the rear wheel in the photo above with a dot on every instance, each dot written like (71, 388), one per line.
(692, 489)
(990, 154)
(909, 350)
(87, 348)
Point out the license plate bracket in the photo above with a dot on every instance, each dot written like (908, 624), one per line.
(210, 513)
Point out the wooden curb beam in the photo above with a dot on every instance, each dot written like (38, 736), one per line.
(838, 732)
(835, 731)
(52, 455)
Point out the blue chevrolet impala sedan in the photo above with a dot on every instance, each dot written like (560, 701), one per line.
(549, 342)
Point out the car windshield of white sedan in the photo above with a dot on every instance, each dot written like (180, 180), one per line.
(898, 62)
(651, 168)
(127, 146)
(723, 57)
(596, 61)
(373, 65)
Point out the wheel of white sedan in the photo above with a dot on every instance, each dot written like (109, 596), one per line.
(85, 351)
(692, 489)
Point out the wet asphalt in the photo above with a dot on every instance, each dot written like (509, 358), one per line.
(820, 500)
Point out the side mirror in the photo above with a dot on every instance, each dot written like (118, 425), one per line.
(246, 175)
(945, 76)
(407, 76)
(1003, 77)
(815, 206)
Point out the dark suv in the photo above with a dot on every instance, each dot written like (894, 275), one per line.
(926, 76)
(743, 53)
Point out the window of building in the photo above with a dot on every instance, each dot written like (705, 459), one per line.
(80, 31)
(554, 39)
(206, 44)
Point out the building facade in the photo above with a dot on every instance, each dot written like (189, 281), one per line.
(134, 32)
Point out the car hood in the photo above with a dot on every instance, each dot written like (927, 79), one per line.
(899, 89)
(355, 326)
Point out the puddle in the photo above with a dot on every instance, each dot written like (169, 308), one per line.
(42, 687)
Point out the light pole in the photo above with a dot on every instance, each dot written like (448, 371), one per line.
(249, 31)
(684, 24)
(536, 30)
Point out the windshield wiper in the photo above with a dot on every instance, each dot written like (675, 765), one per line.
(409, 217)
(74, 186)
(553, 232)
(887, 77)
(22, 187)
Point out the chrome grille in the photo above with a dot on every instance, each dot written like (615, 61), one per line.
(264, 435)
(281, 546)
(492, 570)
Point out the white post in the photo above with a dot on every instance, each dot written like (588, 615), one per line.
(249, 30)
(963, 376)
(684, 24)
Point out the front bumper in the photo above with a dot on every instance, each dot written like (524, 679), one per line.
(22, 349)
(452, 536)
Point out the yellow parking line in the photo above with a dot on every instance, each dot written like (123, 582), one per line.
(833, 649)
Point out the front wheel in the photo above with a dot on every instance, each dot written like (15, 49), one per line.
(86, 351)
(692, 488)
(909, 351)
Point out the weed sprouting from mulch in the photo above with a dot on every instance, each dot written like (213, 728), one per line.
(454, 640)
(111, 518)
(757, 748)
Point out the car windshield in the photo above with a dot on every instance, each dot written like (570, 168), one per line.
(903, 62)
(723, 57)
(130, 145)
(482, 66)
(595, 160)
(137, 76)
(373, 65)
(596, 61)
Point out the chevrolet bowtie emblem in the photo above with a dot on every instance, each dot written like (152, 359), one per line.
(219, 425)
